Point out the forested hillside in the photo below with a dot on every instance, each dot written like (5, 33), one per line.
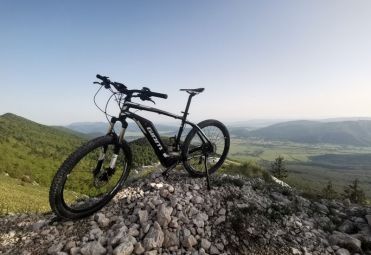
(33, 152)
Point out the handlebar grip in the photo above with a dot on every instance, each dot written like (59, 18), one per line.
(160, 95)
(100, 77)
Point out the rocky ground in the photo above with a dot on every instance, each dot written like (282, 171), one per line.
(180, 216)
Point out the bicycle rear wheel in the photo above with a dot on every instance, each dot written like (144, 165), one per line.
(85, 182)
(193, 156)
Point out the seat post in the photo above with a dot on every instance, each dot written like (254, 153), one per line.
(187, 106)
(185, 113)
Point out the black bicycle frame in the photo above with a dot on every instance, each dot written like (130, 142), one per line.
(150, 132)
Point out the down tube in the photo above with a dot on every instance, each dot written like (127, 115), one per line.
(150, 132)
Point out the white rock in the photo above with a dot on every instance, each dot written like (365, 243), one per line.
(222, 211)
(39, 225)
(342, 251)
(189, 241)
(143, 216)
(154, 252)
(75, 250)
(170, 239)
(164, 193)
(295, 251)
(55, 248)
(125, 248)
(133, 231)
(197, 200)
(154, 238)
(138, 249)
(214, 250)
(219, 220)
(93, 248)
(101, 219)
(170, 189)
(164, 215)
(205, 244)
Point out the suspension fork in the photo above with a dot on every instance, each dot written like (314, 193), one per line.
(118, 141)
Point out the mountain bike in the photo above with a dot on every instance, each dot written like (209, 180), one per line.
(91, 176)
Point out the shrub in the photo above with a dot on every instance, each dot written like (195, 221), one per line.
(329, 192)
(247, 169)
(278, 168)
(355, 193)
(267, 177)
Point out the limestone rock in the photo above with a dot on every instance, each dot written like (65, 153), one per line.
(205, 244)
(125, 248)
(170, 239)
(93, 248)
(345, 241)
(143, 216)
(138, 249)
(55, 248)
(154, 238)
(164, 215)
(189, 241)
(101, 219)
(342, 251)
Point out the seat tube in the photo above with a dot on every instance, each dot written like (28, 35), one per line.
(185, 113)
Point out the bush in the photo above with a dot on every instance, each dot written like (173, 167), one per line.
(267, 177)
(355, 193)
(278, 168)
(329, 192)
(247, 169)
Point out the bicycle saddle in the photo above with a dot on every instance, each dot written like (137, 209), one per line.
(194, 91)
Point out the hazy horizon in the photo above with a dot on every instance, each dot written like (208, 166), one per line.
(256, 59)
(170, 121)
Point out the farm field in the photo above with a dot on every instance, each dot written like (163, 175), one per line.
(311, 166)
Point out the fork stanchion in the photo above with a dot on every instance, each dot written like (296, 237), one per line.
(207, 173)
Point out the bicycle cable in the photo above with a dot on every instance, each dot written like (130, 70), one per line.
(118, 99)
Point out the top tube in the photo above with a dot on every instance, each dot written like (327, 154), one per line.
(151, 109)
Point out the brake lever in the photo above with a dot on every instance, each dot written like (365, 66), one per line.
(97, 82)
(146, 99)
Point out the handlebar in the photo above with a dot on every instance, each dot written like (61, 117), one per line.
(160, 95)
(144, 93)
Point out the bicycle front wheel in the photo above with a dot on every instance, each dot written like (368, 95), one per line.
(193, 156)
(86, 182)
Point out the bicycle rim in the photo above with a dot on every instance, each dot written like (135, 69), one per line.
(195, 156)
(84, 187)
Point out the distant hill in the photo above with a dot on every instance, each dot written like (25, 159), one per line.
(30, 155)
(33, 150)
(356, 133)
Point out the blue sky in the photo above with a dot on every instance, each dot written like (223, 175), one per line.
(256, 59)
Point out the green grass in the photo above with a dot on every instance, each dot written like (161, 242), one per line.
(246, 169)
(310, 166)
(20, 197)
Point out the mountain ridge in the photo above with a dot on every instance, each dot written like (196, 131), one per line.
(354, 133)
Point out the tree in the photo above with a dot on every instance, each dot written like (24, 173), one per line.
(329, 191)
(278, 168)
(355, 193)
